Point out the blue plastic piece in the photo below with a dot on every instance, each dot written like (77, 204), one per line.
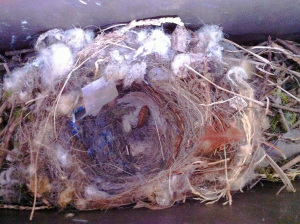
(147, 83)
(75, 129)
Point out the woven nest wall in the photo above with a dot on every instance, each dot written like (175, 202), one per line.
(136, 115)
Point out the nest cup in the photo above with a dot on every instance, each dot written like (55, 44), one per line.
(134, 116)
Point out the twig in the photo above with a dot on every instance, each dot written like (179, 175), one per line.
(226, 176)
(291, 175)
(281, 174)
(264, 71)
(284, 107)
(268, 72)
(113, 26)
(161, 147)
(250, 52)
(218, 102)
(8, 133)
(291, 163)
(275, 147)
(38, 98)
(3, 58)
(225, 90)
(284, 122)
(35, 185)
(296, 124)
(3, 107)
(277, 85)
(35, 174)
(23, 51)
(291, 47)
(291, 95)
(97, 67)
(6, 68)
(18, 207)
(271, 134)
(218, 162)
(267, 106)
(277, 47)
(121, 45)
(8, 152)
(278, 67)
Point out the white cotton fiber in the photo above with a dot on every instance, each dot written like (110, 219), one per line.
(56, 62)
(237, 76)
(62, 156)
(240, 182)
(21, 82)
(116, 71)
(77, 38)
(48, 38)
(136, 74)
(9, 185)
(210, 33)
(116, 56)
(178, 65)
(131, 120)
(53, 63)
(138, 148)
(138, 99)
(6, 177)
(209, 37)
(238, 103)
(142, 36)
(92, 193)
(157, 42)
(15, 81)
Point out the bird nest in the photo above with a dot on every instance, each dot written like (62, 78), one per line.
(132, 116)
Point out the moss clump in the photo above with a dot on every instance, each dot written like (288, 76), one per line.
(274, 121)
(6, 95)
(17, 112)
(284, 98)
(276, 125)
(268, 172)
(290, 117)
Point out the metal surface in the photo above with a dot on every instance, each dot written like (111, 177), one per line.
(22, 20)
(258, 205)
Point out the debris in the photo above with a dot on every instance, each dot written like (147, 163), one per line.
(97, 94)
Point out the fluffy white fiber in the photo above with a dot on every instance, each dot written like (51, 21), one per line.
(75, 38)
(56, 61)
(209, 37)
(178, 65)
(21, 81)
(56, 52)
(63, 156)
(78, 38)
(130, 120)
(92, 193)
(136, 74)
(155, 42)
